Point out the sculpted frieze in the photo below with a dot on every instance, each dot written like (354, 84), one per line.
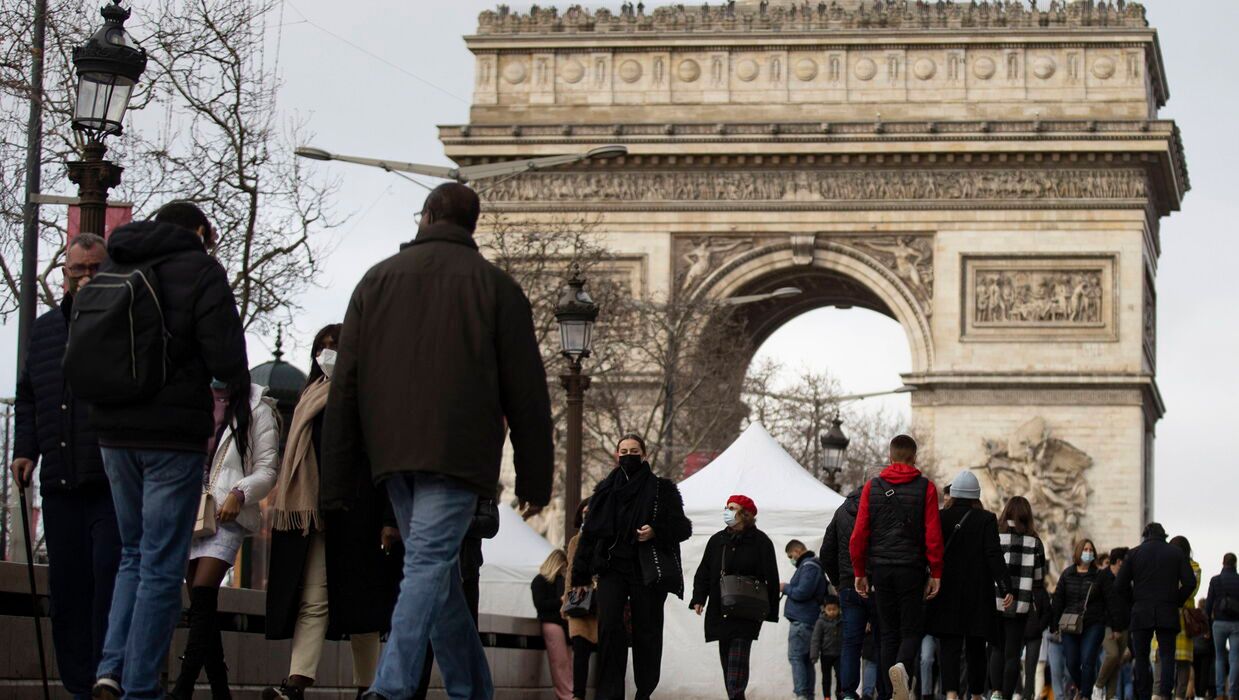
(823, 185)
(911, 258)
(1038, 297)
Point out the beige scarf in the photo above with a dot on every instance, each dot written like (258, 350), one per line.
(295, 505)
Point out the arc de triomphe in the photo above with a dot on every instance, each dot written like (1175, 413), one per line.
(992, 176)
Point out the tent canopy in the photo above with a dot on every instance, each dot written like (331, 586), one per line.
(510, 561)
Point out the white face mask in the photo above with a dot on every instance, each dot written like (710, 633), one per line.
(1087, 557)
(327, 362)
(729, 518)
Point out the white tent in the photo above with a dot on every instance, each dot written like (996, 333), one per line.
(511, 560)
(791, 504)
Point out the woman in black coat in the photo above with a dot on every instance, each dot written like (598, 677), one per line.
(1079, 591)
(630, 547)
(962, 615)
(362, 579)
(739, 549)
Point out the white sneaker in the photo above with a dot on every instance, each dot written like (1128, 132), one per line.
(1099, 693)
(996, 696)
(900, 688)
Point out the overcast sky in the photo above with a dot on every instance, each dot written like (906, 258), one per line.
(418, 74)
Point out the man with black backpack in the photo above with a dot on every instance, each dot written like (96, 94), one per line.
(898, 539)
(1222, 608)
(145, 339)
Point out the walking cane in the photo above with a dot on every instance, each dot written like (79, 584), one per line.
(34, 594)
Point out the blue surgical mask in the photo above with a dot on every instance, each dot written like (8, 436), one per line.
(729, 518)
(1087, 557)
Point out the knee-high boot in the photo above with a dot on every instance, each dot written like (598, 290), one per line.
(213, 643)
(201, 620)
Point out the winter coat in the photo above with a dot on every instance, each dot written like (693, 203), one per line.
(1156, 579)
(897, 523)
(835, 558)
(362, 581)
(659, 560)
(1113, 612)
(548, 597)
(806, 591)
(585, 627)
(748, 553)
(827, 639)
(205, 340)
(51, 426)
(973, 575)
(1183, 650)
(253, 476)
(437, 362)
(1224, 585)
(1073, 590)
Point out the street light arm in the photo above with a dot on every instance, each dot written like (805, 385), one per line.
(487, 170)
(390, 165)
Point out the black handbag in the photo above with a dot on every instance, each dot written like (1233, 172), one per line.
(743, 597)
(579, 604)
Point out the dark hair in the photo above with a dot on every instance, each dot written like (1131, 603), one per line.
(1079, 549)
(793, 545)
(633, 436)
(830, 600)
(1181, 542)
(331, 330)
(87, 241)
(973, 503)
(903, 449)
(454, 203)
(1154, 530)
(1018, 511)
(186, 215)
(1228, 559)
(239, 414)
(1118, 554)
(579, 519)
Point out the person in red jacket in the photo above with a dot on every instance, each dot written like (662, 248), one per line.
(897, 541)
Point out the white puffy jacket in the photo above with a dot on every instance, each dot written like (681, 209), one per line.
(256, 475)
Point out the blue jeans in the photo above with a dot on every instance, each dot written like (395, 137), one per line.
(1056, 660)
(433, 513)
(857, 614)
(1224, 632)
(156, 497)
(1082, 651)
(871, 679)
(803, 674)
(929, 654)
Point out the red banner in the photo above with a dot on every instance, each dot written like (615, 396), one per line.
(115, 217)
(696, 461)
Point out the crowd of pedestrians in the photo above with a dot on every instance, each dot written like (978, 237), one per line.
(158, 455)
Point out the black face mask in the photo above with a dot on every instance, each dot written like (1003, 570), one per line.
(630, 463)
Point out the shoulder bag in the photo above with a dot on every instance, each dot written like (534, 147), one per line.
(743, 597)
(579, 604)
(207, 522)
(1073, 623)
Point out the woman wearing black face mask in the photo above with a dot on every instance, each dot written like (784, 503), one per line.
(630, 548)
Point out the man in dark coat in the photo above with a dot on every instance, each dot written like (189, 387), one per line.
(79, 521)
(1222, 608)
(1154, 582)
(437, 357)
(858, 613)
(154, 449)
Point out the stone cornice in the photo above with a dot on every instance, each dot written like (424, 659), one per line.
(1039, 388)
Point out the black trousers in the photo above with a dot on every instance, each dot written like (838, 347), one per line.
(952, 649)
(615, 590)
(582, 651)
(1142, 670)
(1004, 658)
(900, 596)
(830, 674)
(83, 552)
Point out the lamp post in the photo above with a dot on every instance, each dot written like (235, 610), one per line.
(834, 452)
(108, 67)
(576, 313)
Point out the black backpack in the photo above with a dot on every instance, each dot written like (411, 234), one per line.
(118, 341)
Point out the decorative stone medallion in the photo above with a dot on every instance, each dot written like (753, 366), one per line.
(630, 71)
(1044, 67)
(984, 68)
(866, 69)
(1103, 68)
(925, 69)
(806, 70)
(688, 70)
(573, 71)
(515, 72)
(747, 70)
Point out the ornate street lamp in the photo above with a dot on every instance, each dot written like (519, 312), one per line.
(576, 313)
(108, 67)
(834, 452)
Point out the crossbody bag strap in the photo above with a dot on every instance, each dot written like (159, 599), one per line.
(955, 532)
(220, 453)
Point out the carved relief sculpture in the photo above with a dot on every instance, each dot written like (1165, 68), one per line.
(911, 258)
(1049, 472)
(1013, 297)
(700, 258)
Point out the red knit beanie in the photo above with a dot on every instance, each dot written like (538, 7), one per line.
(744, 502)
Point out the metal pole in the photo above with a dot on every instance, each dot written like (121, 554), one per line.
(34, 595)
(94, 177)
(28, 295)
(574, 384)
(4, 492)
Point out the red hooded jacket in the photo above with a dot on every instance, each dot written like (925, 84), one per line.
(859, 544)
